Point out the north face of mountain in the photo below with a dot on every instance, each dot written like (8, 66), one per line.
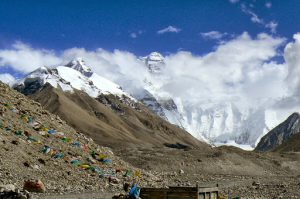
(283, 137)
(155, 62)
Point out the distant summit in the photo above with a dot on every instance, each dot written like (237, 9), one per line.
(79, 65)
(155, 62)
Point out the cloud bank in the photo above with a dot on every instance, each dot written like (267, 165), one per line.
(242, 70)
(7, 78)
(23, 58)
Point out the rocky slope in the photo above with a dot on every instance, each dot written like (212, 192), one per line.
(284, 137)
(37, 144)
(291, 145)
(113, 121)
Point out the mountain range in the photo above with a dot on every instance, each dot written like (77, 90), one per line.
(214, 123)
(100, 108)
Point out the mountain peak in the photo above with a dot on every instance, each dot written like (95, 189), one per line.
(155, 56)
(79, 65)
(154, 61)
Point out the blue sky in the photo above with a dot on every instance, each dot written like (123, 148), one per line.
(62, 24)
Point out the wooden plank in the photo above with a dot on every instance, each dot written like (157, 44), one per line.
(208, 189)
(184, 188)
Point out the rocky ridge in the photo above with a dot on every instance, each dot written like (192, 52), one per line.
(280, 134)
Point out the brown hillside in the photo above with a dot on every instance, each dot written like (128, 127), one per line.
(112, 121)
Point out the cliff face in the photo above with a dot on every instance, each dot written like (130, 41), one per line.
(282, 134)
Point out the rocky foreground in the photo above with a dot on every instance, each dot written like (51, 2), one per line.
(36, 145)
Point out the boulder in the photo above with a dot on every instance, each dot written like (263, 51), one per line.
(34, 186)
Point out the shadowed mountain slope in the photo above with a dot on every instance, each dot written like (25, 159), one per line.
(283, 137)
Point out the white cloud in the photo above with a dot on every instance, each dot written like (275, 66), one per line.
(213, 35)
(23, 58)
(7, 78)
(292, 57)
(268, 4)
(239, 70)
(253, 16)
(171, 29)
(272, 26)
(117, 66)
(228, 73)
(233, 1)
(136, 34)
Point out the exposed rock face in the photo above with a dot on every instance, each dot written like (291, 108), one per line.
(280, 134)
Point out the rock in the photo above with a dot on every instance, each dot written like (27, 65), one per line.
(181, 171)
(126, 187)
(36, 167)
(15, 142)
(26, 164)
(6, 188)
(255, 184)
(120, 196)
(113, 180)
(34, 186)
(42, 161)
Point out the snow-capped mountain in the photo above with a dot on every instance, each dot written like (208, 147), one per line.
(74, 75)
(217, 123)
(154, 61)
